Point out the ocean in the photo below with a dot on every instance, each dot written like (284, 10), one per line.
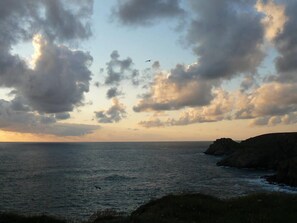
(74, 180)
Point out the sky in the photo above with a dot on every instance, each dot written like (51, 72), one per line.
(138, 70)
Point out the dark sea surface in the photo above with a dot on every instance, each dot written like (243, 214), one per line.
(74, 180)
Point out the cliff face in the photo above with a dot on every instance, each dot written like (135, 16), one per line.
(286, 173)
(263, 152)
(276, 151)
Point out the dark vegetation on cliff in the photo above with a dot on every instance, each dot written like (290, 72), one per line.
(276, 151)
(190, 208)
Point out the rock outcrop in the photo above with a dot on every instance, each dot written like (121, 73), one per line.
(286, 173)
(223, 146)
(276, 151)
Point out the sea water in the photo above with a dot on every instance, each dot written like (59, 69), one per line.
(74, 180)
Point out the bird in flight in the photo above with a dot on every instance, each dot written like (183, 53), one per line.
(97, 187)
(147, 61)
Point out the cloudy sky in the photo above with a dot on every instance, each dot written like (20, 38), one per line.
(138, 70)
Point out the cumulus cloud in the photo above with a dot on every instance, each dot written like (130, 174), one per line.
(219, 109)
(142, 12)
(227, 37)
(169, 94)
(115, 113)
(21, 20)
(286, 44)
(267, 103)
(57, 19)
(287, 119)
(119, 70)
(67, 23)
(270, 104)
(56, 79)
(59, 80)
(274, 99)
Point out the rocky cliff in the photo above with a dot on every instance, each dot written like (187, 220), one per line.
(223, 146)
(277, 151)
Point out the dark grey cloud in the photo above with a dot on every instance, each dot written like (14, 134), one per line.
(58, 19)
(115, 113)
(62, 116)
(12, 69)
(64, 22)
(50, 119)
(59, 80)
(113, 92)
(143, 12)
(19, 104)
(286, 44)
(248, 82)
(57, 83)
(227, 37)
(117, 69)
(61, 76)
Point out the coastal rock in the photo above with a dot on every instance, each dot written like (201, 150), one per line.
(263, 152)
(286, 173)
(276, 151)
(223, 146)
